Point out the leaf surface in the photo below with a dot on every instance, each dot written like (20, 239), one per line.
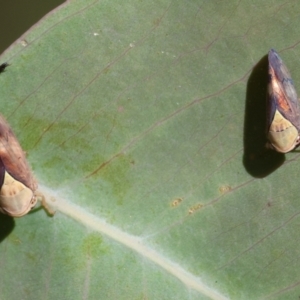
(144, 123)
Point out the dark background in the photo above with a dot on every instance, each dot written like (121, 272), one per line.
(17, 16)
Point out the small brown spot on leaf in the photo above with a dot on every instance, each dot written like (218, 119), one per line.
(195, 208)
(225, 189)
(176, 202)
(24, 43)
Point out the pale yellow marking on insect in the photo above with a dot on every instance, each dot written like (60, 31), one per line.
(16, 199)
(283, 135)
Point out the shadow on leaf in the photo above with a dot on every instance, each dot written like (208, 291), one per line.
(258, 161)
(7, 224)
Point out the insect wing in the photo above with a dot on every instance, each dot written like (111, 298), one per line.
(283, 107)
(13, 157)
(282, 93)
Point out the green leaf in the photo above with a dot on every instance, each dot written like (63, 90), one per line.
(144, 123)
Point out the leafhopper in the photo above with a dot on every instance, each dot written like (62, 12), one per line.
(18, 185)
(283, 113)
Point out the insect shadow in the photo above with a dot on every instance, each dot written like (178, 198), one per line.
(7, 225)
(258, 160)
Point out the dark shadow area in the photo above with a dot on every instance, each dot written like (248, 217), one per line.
(17, 16)
(258, 160)
(7, 225)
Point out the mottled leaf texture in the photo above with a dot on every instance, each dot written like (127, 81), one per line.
(144, 123)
